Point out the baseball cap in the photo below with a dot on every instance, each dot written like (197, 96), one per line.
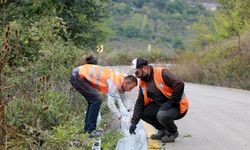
(138, 62)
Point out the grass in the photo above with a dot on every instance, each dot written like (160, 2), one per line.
(221, 64)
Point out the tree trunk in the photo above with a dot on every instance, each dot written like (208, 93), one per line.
(2, 131)
(2, 120)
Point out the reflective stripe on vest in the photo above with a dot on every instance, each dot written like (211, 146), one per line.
(166, 90)
(98, 76)
(92, 71)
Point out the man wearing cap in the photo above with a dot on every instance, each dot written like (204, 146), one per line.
(161, 100)
(90, 78)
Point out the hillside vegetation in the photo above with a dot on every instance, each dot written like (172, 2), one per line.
(222, 51)
(42, 41)
(221, 64)
(155, 22)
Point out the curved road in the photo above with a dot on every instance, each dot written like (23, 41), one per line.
(218, 119)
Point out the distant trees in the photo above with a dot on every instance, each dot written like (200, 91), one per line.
(237, 15)
(155, 21)
(136, 26)
(231, 19)
(121, 8)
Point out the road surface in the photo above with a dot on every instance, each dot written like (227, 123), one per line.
(218, 119)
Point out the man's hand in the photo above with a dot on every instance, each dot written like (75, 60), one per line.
(132, 129)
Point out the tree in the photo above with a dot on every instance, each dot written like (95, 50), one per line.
(236, 16)
(84, 20)
(3, 54)
(9, 45)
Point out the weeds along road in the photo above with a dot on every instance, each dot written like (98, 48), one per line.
(218, 119)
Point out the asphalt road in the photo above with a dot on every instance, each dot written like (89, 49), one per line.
(218, 119)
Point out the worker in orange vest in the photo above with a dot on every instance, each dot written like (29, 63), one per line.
(90, 78)
(161, 100)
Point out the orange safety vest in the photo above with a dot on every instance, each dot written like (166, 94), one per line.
(98, 76)
(166, 90)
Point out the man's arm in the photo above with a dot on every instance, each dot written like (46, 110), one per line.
(112, 95)
(122, 108)
(138, 109)
(112, 107)
(175, 83)
(126, 102)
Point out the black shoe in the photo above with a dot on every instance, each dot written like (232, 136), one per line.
(159, 135)
(170, 138)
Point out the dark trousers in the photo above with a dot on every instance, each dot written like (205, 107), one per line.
(162, 119)
(92, 97)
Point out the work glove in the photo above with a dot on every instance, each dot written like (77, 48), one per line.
(132, 129)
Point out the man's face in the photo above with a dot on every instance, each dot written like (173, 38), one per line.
(128, 85)
(142, 73)
(139, 73)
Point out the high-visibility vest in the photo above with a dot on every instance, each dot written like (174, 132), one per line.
(166, 90)
(98, 76)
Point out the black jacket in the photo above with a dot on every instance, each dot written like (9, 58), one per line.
(157, 96)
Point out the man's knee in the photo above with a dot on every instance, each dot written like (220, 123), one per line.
(162, 116)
